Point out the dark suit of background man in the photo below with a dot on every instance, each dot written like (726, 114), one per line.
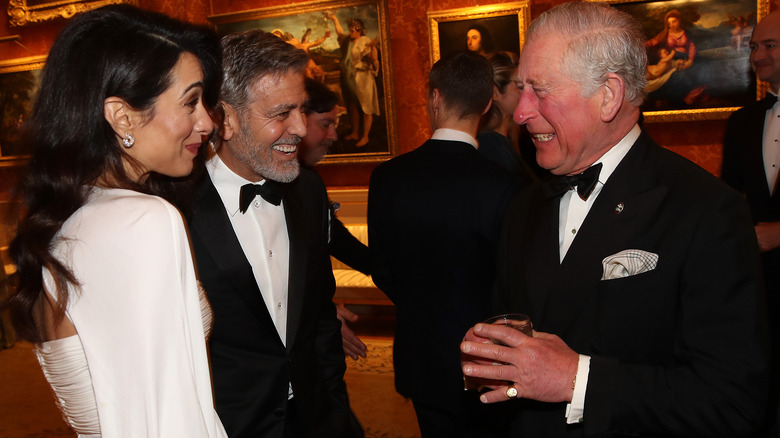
(322, 115)
(751, 159)
(644, 288)
(434, 217)
(276, 353)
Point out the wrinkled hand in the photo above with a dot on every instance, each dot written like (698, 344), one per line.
(768, 235)
(541, 367)
(353, 346)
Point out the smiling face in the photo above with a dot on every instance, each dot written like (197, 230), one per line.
(168, 142)
(765, 50)
(474, 40)
(320, 134)
(263, 139)
(563, 124)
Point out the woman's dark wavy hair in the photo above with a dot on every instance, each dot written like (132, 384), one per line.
(117, 50)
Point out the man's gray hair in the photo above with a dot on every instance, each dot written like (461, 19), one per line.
(251, 55)
(601, 40)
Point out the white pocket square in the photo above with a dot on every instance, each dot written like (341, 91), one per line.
(628, 262)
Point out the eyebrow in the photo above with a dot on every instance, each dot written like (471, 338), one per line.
(198, 84)
(283, 106)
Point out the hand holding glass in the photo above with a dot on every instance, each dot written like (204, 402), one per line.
(517, 321)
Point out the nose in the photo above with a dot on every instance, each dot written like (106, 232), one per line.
(204, 125)
(526, 108)
(297, 123)
(332, 135)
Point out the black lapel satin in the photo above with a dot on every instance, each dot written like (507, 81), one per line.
(605, 232)
(213, 227)
(754, 135)
(296, 232)
(540, 259)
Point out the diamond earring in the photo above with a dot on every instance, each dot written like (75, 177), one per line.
(129, 140)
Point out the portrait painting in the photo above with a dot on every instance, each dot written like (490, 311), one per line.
(484, 29)
(698, 56)
(348, 44)
(19, 81)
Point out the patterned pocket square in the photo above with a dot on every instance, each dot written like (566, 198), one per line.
(628, 262)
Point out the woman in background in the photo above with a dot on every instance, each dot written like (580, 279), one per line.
(498, 133)
(107, 288)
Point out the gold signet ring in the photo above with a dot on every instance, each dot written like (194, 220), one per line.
(511, 392)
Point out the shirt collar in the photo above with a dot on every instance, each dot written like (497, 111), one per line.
(227, 183)
(454, 135)
(614, 155)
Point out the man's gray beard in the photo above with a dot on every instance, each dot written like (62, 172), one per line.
(286, 172)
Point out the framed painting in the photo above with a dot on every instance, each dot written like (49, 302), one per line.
(484, 29)
(19, 80)
(22, 12)
(366, 125)
(698, 56)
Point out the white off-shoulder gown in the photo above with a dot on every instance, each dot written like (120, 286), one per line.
(138, 365)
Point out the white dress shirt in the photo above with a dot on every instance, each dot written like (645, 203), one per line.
(262, 233)
(572, 213)
(772, 146)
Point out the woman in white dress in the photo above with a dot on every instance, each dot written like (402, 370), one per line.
(107, 288)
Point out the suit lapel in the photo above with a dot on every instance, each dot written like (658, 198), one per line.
(754, 135)
(541, 265)
(213, 227)
(623, 209)
(294, 217)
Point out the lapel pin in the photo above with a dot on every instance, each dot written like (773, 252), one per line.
(619, 208)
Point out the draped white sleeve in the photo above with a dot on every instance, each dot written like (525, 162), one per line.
(138, 316)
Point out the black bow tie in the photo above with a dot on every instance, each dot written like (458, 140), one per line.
(585, 182)
(768, 101)
(248, 192)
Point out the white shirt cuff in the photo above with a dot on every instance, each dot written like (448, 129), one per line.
(576, 409)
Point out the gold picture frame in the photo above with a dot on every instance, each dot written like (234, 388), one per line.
(448, 28)
(19, 81)
(23, 12)
(722, 81)
(293, 21)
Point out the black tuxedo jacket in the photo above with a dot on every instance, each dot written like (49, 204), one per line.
(743, 162)
(677, 351)
(434, 217)
(251, 366)
(743, 169)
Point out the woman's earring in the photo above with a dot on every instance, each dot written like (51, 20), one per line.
(129, 140)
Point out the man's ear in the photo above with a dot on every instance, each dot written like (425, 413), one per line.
(231, 123)
(487, 108)
(119, 115)
(436, 99)
(613, 92)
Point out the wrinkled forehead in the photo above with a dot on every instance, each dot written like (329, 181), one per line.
(542, 55)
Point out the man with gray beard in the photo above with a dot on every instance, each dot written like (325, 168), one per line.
(259, 230)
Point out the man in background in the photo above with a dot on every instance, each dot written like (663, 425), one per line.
(751, 160)
(322, 115)
(434, 218)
